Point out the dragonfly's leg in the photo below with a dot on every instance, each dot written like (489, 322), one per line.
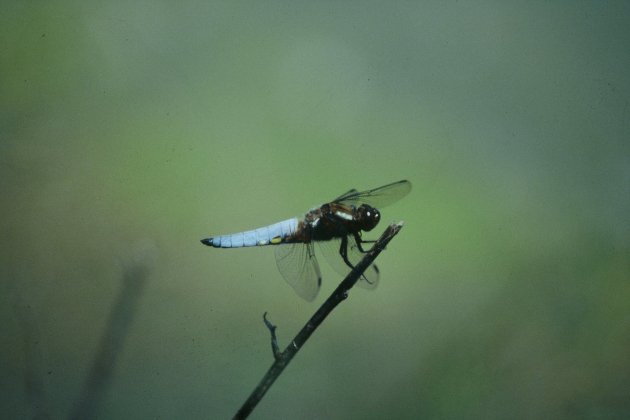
(359, 240)
(343, 251)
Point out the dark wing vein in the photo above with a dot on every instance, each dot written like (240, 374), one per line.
(376, 197)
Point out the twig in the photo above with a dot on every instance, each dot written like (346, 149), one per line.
(282, 359)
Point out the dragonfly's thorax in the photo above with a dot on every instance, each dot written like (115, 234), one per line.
(334, 220)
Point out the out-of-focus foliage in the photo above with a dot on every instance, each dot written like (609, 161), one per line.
(130, 130)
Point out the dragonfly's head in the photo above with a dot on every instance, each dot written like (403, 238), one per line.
(367, 217)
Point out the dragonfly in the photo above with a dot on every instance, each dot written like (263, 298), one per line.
(336, 226)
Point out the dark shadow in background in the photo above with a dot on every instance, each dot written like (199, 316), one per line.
(31, 350)
(112, 341)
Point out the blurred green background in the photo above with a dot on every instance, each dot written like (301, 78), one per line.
(130, 130)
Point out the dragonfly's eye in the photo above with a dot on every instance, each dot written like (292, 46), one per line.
(369, 217)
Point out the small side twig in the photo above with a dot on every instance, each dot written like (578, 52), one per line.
(274, 341)
(283, 358)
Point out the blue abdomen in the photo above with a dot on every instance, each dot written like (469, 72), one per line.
(268, 235)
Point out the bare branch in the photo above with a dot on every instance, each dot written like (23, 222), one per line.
(282, 359)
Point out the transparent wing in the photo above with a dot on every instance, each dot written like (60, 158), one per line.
(299, 267)
(331, 251)
(376, 197)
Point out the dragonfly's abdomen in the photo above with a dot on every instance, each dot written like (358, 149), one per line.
(268, 235)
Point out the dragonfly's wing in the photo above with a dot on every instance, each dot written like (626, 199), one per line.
(299, 267)
(376, 197)
(342, 197)
(331, 251)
